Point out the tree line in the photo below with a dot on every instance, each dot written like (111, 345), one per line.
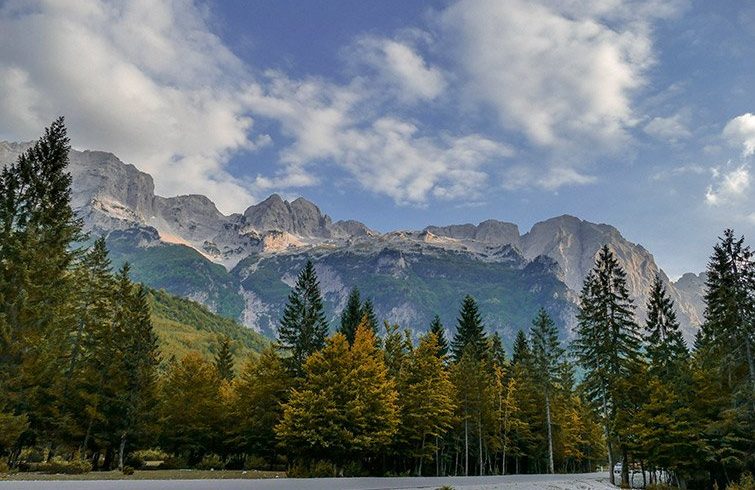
(81, 376)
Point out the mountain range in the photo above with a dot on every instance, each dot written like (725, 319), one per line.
(243, 265)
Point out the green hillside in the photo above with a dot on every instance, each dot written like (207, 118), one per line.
(184, 326)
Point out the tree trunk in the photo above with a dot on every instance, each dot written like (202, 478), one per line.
(751, 366)
(466, 447)
(550, 432)
(479, 444)
(611, 477)
(121, 450)
(624, 469)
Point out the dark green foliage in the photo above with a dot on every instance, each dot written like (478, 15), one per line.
(368, 314)
(303, 328)
(224, 359)
(351, 316)
(496, 352)
(470, 331)
(666, 349)
(437, 328)
(521, 353)
(608, 343)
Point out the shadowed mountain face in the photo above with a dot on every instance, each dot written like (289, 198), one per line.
(243, 265)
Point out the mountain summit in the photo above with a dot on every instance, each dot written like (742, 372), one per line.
(178, 242)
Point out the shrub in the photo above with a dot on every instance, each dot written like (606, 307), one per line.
(746, 482)
(4, 468)
(134, 460)
(128, 470)
(353, 469)
(174, 463)
(153, 454)
(59, 465)
(211, 462)
(318, 469)
(31, 455)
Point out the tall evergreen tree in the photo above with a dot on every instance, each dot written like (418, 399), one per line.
(37, 230)
(470, 331)
(666, 349)
(303, 328)
(521, 353)
(608, 342)
(437, 328)
(368, 312)
(224, 359)
(496, 352)
(351, 316)
(547, 357)
(729, 327)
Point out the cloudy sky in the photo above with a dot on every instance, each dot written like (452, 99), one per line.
(404, 113)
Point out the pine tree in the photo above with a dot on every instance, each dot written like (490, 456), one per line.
(140, 358)
(608, 341)
(437, 328)
(521, 353)
(346, 409)
(351, 316)
(224, 359)
(729, 331)
(261, 390)
(496, 352)
(38, 229)
(666, 349)
(368, 312)
(547, 357)
(192, 383)
(470, 331)
(425, 402)
(303, 328)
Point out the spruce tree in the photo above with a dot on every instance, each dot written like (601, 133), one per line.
(608, 342)
(351, 316)
(521, 354)
(666, 349)
(547, 357)
(303, 328)
(368, 313)
(224, 359)
(496, 352)
(437, 328)
(470, 331)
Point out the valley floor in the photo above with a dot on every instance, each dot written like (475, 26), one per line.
(587, 481)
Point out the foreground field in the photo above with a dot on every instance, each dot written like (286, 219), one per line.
(236, 480)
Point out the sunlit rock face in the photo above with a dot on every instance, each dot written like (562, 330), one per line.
(242, 265)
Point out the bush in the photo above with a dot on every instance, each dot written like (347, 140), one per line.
(174, 463)
(318, 469)
(31, 455)
(354, 469)
(128, 470)
(255, 463)
(153, 454)
(211, 462)
(746, 482)
(4, 468)
(134, 460)
(59, 465)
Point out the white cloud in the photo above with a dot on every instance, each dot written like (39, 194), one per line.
(562, 73)
(671, 129)
(145, 80)
(402, 67)
(384, 154)
(740, 131)
(729, 185)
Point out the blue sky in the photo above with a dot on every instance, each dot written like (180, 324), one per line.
(637, 113)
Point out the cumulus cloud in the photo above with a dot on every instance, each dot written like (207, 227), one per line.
(729, 185)
(671, 129)
(560, 72)
(740, 131)
(384, 154)
(402, 67)
(146, 80)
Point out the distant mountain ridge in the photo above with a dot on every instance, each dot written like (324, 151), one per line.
(180, 243)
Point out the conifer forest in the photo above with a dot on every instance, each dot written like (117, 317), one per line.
(85, 386)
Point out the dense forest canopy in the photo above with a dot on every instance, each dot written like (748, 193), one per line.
(83, 383)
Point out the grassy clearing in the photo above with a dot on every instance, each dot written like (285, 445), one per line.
(151, 475)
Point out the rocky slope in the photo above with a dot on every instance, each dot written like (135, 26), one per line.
(243, 265)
